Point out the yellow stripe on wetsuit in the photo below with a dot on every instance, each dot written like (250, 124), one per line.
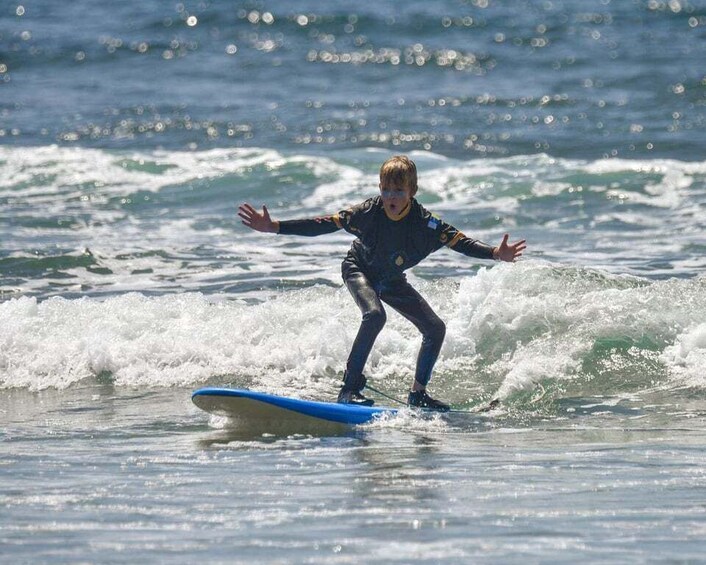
(456, 238)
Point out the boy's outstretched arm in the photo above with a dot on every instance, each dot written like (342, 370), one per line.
(261, 221)
(258, 221)
(509, 252)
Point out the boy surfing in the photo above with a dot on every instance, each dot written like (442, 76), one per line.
(393, 233)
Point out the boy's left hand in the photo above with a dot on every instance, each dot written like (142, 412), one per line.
(509, 252)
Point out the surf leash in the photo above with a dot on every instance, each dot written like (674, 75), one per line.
(386, 395)
(493, 404)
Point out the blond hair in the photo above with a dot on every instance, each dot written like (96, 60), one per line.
(399, 171)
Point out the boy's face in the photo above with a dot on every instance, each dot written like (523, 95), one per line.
(395, 198)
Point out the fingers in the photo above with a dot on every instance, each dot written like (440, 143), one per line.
(246, 210)
(256, 220)
(510, 252)
(518, 248)
(245, 207)
(248, 214)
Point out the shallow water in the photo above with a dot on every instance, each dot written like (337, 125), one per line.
(130, 133)
(102, 474)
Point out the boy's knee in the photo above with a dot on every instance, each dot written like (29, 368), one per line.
(436, 330)
(375, 319)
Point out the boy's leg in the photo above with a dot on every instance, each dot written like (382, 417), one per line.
(408, 302)
(374, 318)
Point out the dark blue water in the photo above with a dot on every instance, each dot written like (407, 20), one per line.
(130, 132)
(570, 78)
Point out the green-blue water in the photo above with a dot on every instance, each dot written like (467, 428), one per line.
(129, 134)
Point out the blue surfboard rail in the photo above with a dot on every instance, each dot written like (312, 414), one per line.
(328, 411)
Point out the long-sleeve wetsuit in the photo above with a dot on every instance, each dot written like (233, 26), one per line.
(373, 271)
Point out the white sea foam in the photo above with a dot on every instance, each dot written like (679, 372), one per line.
(351, 186)
(44, 172)
(406, 419)
(174, 340)
(52, 169)
(687, 357)
(516, 325)
(572, 318)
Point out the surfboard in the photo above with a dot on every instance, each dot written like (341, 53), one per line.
(270, 409)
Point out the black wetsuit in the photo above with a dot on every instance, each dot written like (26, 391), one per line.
(373, 271)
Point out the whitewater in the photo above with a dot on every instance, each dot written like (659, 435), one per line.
(130, 133)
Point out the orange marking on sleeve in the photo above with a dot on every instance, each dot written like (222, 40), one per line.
(455, 239)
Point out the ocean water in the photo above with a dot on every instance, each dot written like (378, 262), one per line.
(129, 134)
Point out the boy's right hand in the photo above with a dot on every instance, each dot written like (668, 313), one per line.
(258, 221)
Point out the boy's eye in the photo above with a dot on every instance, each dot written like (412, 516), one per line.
(393, 193)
